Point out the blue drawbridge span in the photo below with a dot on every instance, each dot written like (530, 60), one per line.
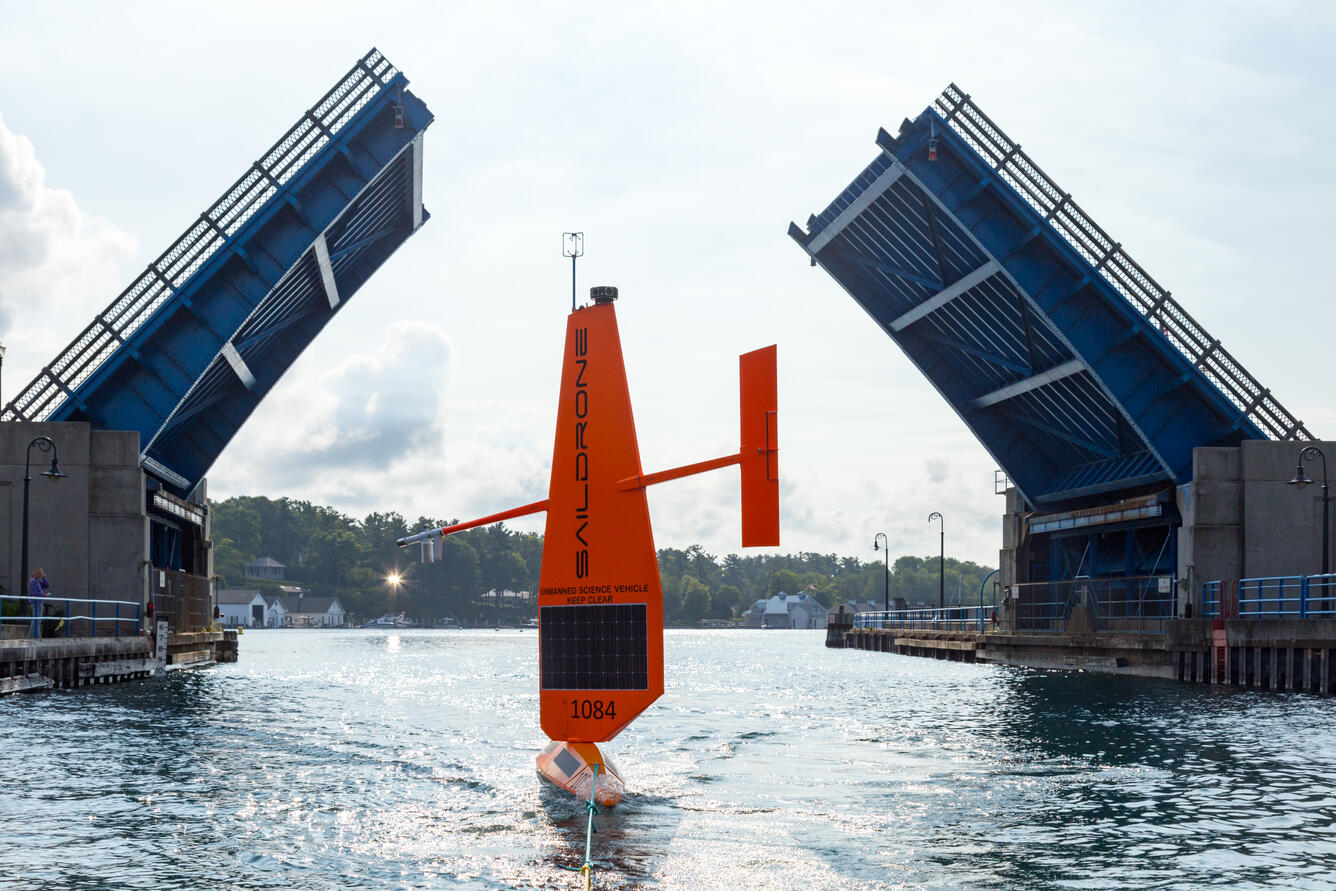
(1081, 375)
(186, 353)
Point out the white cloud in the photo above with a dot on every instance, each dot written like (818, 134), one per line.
(58, 264)
(380, 431)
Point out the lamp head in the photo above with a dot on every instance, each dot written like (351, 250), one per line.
(53, 473)
(1300, 477)
(876, 546)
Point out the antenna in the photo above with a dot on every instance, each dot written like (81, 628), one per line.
(572, 245)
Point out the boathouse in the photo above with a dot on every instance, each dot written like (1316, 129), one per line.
(241, 607)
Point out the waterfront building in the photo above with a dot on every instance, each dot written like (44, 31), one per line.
(304, 611)
(265, 569)
(275, 613)
(243, 607)
(787, 611)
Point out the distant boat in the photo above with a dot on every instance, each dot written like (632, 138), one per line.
(389, 620)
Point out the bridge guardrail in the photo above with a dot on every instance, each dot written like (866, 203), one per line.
(1129, 604)
(1112, 263)
(951, 618)
(1216, 599)
(1271, 597)
(122, 612)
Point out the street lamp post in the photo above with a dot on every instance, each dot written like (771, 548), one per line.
(941, 561)
(1308, 453)
(886, 546)
(43, 444)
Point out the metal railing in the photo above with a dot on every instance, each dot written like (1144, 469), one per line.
(121, 612)
(1128, 604)
(1216, 599)
(1271, 597)
(210, 233)
(1108, 258)
(952, 618)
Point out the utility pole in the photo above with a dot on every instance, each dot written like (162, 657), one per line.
(887, 555)
(941, 561)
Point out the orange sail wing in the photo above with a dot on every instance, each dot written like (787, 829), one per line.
(600, 603)
(759, 450)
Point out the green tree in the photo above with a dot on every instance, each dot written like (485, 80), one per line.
(331, 553)
(724, 601)
(695, 599)
(785, 580)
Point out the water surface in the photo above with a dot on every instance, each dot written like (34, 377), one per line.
(373, 759)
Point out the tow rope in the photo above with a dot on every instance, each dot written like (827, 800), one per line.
(586, 870)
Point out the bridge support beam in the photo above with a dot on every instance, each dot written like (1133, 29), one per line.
(326, 270)
(946, 295)
(1033, 382)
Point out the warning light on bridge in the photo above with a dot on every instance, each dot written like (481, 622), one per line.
(932, 149)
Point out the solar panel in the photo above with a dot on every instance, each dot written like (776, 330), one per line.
(568, 763)
(594, 647)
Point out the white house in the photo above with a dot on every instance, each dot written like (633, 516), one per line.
(787, 611)
(240, 607)
(275, 613)
(304, 611)
(265, 568)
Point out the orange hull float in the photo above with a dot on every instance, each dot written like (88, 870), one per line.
(570, 766)
(600, 603)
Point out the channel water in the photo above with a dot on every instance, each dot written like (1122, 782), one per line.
(374, 759)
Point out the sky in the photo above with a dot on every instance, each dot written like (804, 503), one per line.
(681, 138)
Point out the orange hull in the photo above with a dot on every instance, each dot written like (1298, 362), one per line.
(570, 766)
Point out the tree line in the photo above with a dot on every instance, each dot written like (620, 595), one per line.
(331, 553)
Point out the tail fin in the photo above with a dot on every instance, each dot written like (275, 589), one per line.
(760, 448)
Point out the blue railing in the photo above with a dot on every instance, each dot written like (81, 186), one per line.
(952, 618)
(122, 612)
(1132, 604)
(1272, 597)
(1216, 599)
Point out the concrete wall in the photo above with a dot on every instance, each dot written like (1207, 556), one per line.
(1013, 540)
(89, 530)
(1242, 519)
(1283, 523)
(1210, 541)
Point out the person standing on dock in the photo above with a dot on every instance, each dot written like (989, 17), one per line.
(38, 586)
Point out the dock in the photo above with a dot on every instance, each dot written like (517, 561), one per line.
(1258, 653)
(30, 665)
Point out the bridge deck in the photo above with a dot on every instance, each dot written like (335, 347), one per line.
(186, 353)
(1074, 368)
